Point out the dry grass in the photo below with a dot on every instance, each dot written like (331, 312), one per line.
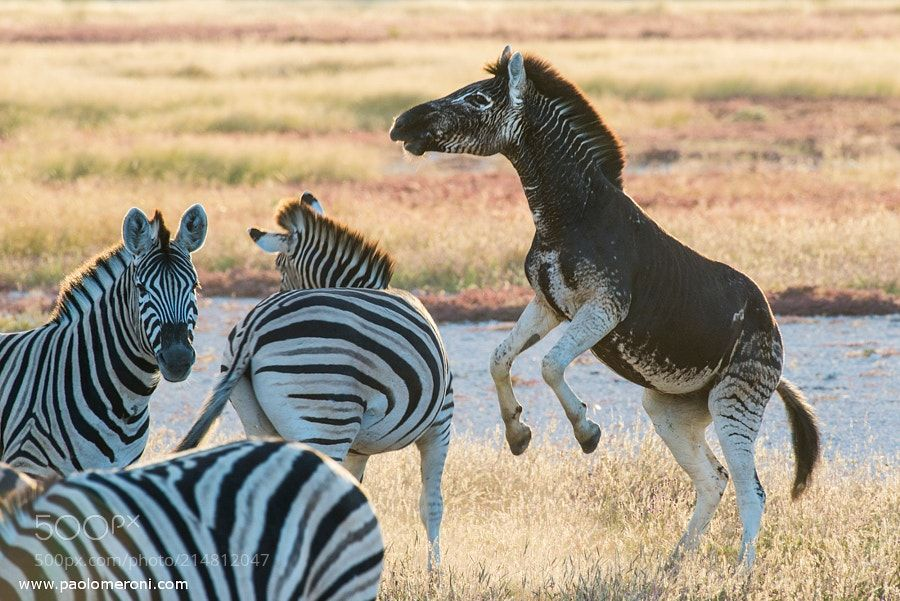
(556, 524)
(780, 156)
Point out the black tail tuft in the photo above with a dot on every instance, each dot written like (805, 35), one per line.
(805, 430)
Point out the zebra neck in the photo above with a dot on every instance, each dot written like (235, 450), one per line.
(100, 315)
(559, 167)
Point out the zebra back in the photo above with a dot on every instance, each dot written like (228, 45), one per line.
(247, 520)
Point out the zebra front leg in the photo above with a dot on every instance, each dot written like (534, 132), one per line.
(433, 453)
(681, 422)
(535, 322)
(590, 324)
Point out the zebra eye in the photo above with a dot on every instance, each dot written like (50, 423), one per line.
(478, 100)
(140, 287)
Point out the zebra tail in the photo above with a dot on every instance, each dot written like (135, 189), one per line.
(805, 430)
(212, 407)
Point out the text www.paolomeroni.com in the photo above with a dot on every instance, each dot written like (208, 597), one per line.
(103, 585)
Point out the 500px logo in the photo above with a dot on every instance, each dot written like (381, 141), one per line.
(92, 527)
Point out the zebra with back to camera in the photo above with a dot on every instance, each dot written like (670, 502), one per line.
(698, 335)
(259, 520)
(74, 392)
(338, 359)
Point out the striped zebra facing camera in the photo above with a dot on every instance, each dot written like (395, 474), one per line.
(74, 393)
(244, 521)
(338, 359)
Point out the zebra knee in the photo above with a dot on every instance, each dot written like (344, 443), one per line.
(500, 364)
(721, 480)
(552, 370)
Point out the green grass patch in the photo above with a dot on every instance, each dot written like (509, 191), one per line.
(72, 167)
(248, 123)
(375, 113)
(192, 72)
(84, 114)
(12, 116)
(202, 167)
(739, 87)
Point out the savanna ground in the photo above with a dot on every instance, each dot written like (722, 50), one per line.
(766, 135)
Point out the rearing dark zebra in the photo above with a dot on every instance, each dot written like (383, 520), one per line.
(74, 392)
(353, 367)
(698, 335)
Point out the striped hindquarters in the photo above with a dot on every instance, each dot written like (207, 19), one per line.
(333, 367)
(248, 520)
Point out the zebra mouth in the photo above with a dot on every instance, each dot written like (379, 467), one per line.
(418, 146)
(176, 368)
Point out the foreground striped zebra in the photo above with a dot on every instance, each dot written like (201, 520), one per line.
(351, 371)
(248, 520)
(74, 392)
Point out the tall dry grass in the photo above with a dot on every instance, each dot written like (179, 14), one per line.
(556, 524)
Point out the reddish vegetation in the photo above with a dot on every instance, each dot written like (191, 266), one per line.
(507, 303)
(540, 25)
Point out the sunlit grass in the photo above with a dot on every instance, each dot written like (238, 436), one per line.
(89, 129)
(556, 524)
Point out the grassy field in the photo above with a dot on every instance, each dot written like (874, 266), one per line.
(555, 524)
(773, 147)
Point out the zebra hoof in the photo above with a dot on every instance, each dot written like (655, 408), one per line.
(518, 437)
(589, 445)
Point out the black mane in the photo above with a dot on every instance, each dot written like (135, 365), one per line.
(550, 83)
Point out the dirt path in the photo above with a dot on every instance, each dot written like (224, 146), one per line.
(849, 368)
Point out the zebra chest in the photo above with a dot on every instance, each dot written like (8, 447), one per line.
(565, 285)
(546, 276)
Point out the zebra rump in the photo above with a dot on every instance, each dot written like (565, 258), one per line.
(248, 520)
(339, 359)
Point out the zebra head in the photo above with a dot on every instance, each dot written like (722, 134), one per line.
(292, 252)
(483, 118)
(165, 284)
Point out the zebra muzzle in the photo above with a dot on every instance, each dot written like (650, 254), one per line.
(176, 356)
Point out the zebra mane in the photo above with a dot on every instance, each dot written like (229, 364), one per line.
(21, 503)
(581, 114)
(294, 215)
(100, 263)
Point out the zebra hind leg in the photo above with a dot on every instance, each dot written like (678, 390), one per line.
(737, 403)
(681, 423)
(356, 464)
(433, 447)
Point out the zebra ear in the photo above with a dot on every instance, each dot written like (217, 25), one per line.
(138, 233)
(192, 231)
(505, 55)
(271, 243)
(312, 202)
(517, 79)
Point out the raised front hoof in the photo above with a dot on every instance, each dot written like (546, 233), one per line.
(518, 437)
(589, 444)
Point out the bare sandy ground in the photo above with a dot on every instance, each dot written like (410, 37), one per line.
(849, 368)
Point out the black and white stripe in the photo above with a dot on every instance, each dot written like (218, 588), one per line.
(249, 520)
(350, 371)
(74, 392)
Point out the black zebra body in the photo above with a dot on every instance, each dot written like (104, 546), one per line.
(74, 392)
(698, 335)
(252, 520)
